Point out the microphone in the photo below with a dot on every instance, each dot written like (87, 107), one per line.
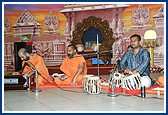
(32, 67)
(23, 67)
(71, 57)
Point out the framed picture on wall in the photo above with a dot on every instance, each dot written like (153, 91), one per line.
(26, 38)
(90, 44)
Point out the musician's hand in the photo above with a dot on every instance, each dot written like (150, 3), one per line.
(63, 77)
(116, 71)
(128, 71)
(15, 73)
(26, 75)
(134, 71)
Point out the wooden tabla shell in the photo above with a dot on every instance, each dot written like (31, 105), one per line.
(93, 85)
(132, 82)
(85, 79)
(117, 80)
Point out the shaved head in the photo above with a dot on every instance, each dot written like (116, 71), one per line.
(22, 51)
(23, 54)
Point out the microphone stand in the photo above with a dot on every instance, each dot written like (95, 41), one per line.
(36, 73)
(111, 84)
(98, 56)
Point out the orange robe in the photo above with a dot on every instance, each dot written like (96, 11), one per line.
(70, 68)
(38, 62)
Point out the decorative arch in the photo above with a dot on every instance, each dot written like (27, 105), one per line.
(106, 32)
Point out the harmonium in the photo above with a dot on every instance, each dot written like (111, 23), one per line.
(15, 82)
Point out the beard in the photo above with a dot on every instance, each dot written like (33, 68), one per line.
(70, 55)
(136, 47)
(27, 58)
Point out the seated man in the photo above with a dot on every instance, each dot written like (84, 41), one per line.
(138, 60)
(36, 62)
(74, 67)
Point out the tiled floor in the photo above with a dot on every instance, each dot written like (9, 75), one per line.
(57, 100)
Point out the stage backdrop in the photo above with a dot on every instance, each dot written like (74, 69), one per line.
(52, 25)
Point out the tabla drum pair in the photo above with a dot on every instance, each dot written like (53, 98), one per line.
(129, 82)
(91, 84)
(132, 82)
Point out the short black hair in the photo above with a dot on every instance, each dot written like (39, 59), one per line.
(136, 35)
(73, 46)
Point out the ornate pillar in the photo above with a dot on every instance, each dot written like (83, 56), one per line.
(120, 25)
(113, 22)
(67, 29)
(150, 49)
(72, 23)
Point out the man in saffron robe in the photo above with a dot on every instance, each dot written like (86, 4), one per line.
(74, 67)
(36, 62)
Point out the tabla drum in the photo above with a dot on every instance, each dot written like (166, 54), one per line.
(85, 79)
(117, 80)
(93, 85)
(132, 82)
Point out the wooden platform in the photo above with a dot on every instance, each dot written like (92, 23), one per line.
(103, 69)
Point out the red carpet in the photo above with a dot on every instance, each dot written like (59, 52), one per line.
(54, 86)
(148, 90)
